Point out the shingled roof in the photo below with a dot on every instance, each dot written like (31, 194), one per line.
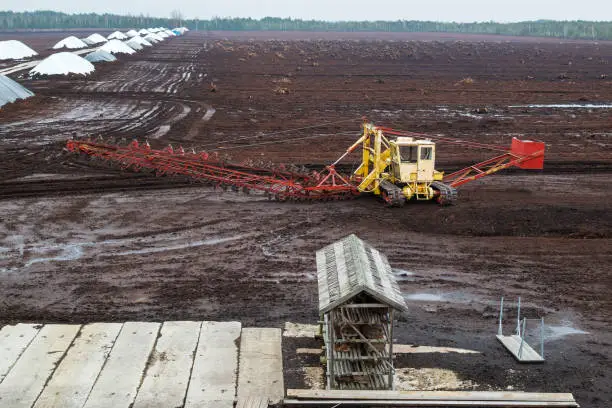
(351, 266)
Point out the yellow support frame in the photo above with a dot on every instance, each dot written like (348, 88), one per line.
(376, 155)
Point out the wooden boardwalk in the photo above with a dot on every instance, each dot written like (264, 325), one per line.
(139, 364)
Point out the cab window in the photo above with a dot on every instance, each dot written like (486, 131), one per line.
(426, 153)
(408, 153)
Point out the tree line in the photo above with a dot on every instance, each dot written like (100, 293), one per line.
(591, 30)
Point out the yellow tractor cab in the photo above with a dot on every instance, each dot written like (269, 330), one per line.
(400, 169)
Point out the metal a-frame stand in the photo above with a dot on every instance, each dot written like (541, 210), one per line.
(516, 343)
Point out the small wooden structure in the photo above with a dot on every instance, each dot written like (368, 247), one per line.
(358, 295)
(516, 343)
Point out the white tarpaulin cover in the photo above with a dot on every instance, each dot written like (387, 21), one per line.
(141, 41)
(13, 49)
(63, 63)
(10, 91)
(134, 45)
(71, 43)
(99, 56)
(117, 35)
(153, 38)
(132, 33)
(96, 38)
(116, 47)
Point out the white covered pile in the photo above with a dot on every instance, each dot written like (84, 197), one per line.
(133, 45)
(100, 56)
(153, 38)
(117, 35)
(141, 41)
(13, 49)
(96, 39)
(132, 33)
(63, 63)
(117, 47)
(87, 41)
(71, 43)
(10, 91)
(143, 31)
(180, 30)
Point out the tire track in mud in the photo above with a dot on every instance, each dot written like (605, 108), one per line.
(114, 179)
(136, 99)
(89, 185)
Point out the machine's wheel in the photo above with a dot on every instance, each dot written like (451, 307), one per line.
(447, 194)
(392, 194)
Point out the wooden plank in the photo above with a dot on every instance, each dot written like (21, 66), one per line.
(261, 364)
(75, 375)
(430, 395)
(120, 378)
(13, 341)
(422, 404)
(252, 402)
(213, 377)
(167, 375)
(513, 343)
(28, 376)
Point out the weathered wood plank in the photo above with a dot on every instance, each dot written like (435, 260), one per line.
(213, 377)
(120, 378)
(25, 381)
(74, 377)
(513, 344)
(252, 402)
(261, 364)
(431, 395)
(429, 403)
(13, 341)
(168, 371)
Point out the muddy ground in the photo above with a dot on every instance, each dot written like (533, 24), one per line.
(81, 241)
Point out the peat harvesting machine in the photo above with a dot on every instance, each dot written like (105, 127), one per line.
(402, 168)
(396, 165)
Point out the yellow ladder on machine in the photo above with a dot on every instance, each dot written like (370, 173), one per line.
(422, 191)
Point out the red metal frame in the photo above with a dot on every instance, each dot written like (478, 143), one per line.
(279, 183)
(283, 184)
(525, 154)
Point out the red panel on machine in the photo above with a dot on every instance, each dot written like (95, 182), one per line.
(529, 148)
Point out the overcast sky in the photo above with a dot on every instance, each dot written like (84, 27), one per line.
(439, 10)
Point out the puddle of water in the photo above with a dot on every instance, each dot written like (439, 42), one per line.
(70, 253)
(161, 131)
(568, 105)
(408, 348)
(557, 332)
(402, 275)
(177, 247)
(73, 252)
(209, 114)
(425, 297)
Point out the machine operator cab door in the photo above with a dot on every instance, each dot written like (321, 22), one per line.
(416, 160)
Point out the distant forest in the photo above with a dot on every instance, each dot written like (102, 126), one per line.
(601, 30)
